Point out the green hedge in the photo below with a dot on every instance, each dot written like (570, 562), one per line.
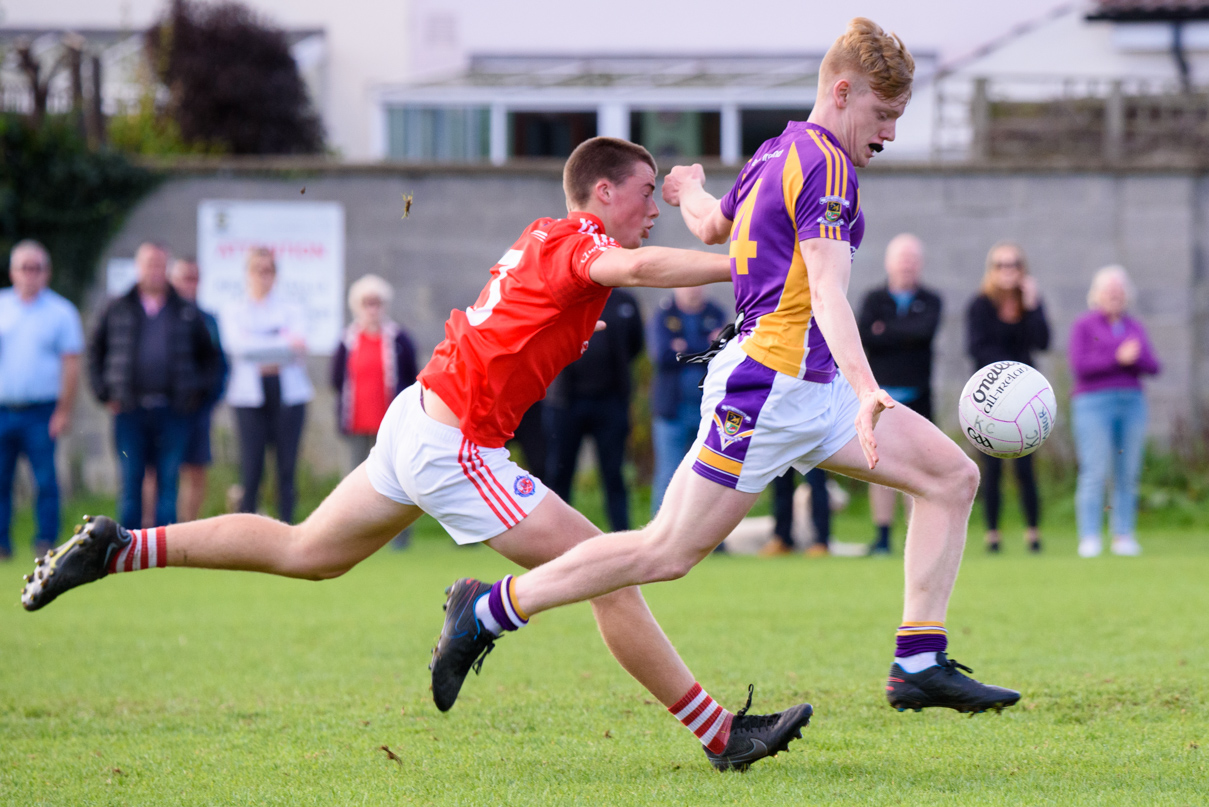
(53, 189)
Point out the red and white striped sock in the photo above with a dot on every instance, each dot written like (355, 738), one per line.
(702, 715)
(148, 550)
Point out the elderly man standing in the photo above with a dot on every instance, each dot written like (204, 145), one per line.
(898, 324)
(40, 345)
(152, 362)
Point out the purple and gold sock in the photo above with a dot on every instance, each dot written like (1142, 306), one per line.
(918, 643)
(498, 609)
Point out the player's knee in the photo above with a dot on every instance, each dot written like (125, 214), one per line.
(307, 560)
(965, 479)
(668, 561)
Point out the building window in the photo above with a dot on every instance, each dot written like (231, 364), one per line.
(438, 134)
(549, 134)
(677, 133)
(764, 124)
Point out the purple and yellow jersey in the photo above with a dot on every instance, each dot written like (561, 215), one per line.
(798, 186)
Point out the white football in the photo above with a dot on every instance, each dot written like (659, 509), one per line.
(1007, 409)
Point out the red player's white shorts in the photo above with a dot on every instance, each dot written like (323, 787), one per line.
(475, 493)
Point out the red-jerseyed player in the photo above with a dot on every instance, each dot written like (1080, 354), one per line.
(440, 450)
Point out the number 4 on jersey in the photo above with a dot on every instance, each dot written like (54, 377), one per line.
(742, 248)
(478, 314)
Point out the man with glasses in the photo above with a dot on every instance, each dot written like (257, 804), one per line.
(40, 345)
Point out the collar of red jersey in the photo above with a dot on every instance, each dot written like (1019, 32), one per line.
(581, 217)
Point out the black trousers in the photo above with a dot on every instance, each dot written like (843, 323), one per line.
(531, 434)
(992, 474)
(276, 424)
(607, 421)
(820, 505)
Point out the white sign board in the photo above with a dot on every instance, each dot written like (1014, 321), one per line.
(119, 276)
(307, 240)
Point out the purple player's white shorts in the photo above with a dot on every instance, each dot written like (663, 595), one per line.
(756, 422)
(475, 493)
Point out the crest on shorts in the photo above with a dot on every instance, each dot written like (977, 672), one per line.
(523, 486)
(730, 425)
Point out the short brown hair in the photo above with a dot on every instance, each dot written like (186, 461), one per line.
(600, 158)
(880, 57)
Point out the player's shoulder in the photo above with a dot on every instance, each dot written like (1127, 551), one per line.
(818, 147)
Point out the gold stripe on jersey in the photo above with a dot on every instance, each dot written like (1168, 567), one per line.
(841, 185)
(824, 230)
(779, 338)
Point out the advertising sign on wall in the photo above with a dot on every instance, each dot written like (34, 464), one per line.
(307, 240)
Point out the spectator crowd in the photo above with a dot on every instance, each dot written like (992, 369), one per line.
(160, 365)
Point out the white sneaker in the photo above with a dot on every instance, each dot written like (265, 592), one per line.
(1091, 547)
(1126, 545)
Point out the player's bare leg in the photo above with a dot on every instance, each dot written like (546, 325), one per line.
(658, 552)
(626, 624)
(665, 549)
(919, 460)
(352, 523)
(916, 458)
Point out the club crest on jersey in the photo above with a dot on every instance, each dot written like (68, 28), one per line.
(523, 486)
(734, 422)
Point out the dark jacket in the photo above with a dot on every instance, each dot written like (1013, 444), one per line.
(990, 339)
(604, 368)
(112, 352)
(670, 323)
(403, 370)
(224, 369)
(901, 355)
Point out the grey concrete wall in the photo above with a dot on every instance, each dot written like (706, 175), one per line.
(1070, 224)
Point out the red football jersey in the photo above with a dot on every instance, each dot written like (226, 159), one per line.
(533, 319)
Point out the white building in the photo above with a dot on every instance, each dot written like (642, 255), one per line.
(476, 80)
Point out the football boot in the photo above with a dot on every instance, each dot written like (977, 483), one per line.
(943, 684)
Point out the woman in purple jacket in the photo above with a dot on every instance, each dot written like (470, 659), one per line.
(1109, 352)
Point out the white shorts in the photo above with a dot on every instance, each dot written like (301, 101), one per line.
(475, 493)
(756, 422)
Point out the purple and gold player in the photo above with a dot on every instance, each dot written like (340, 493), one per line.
(793, 388)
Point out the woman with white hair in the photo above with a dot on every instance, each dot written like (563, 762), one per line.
(1109, 353)
(374, 362)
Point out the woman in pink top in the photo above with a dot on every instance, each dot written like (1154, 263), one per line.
(1109, 353)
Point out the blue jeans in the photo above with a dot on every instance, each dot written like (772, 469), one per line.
(671, 439)
(26, 430)
(154, 436)
(1110, 433)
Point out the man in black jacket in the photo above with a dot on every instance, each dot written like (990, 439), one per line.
(152, 362)
(592, 397)
(898, 324)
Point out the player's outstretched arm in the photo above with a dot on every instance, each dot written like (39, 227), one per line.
(828, 268)
(659, 267)
(684, 187)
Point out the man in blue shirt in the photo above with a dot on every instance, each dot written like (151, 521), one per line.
(40, 345)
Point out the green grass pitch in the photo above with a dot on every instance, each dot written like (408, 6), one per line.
(192, 687)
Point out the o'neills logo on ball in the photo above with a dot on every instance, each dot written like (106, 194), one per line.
(523, 486)
(996, 381)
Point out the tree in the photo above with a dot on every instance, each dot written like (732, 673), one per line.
(231, 80)
(73, 200)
